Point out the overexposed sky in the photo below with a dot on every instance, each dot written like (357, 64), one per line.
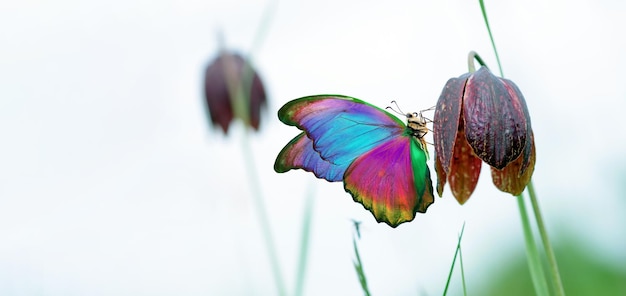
(112, 183)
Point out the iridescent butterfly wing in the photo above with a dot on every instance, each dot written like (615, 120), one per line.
(345, 139)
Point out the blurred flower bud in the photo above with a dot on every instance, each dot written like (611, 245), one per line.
(233, 90)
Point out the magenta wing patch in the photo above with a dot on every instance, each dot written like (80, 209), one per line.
(382, 180)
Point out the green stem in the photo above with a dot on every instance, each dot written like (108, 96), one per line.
(462, 271)
(458, 250)
(240, 92)
(304, 243)
(554, 268)
(470, 61)
(532, 255)
(358, 266)
(493, 44)
(259, 205)
(263, 27)
(248, 73)
(531, 247)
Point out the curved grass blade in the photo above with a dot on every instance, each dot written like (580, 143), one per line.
(462, 271)
(358, 266)
(493, 43)
(458, 250)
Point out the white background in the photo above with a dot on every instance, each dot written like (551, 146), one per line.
(112, 182)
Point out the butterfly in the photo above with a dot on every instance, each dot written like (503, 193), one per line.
(381, 161)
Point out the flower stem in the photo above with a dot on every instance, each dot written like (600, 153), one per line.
(259, 205)
(259, 37)
(531, 248)
(304, 242)
(239, 94)
(470, 61)
(554, 268)
(532, 255)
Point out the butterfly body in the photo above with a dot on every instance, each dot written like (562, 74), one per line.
(416, 123)
(381, 161)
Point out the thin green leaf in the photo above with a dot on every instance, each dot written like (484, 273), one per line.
(358, 266)
(493, 43)
(462, 270)
(458, 249)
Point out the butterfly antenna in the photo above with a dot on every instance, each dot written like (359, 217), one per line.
(399, 111)
(397, 106)
(426, 119)
(429, 109)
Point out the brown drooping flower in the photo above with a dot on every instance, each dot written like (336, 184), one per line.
(481, 117)
(233, 90)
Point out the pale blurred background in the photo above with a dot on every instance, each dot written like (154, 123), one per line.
(113, 183)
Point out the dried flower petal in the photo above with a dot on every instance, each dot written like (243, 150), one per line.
(464, 168)
(441, 175)
(513, 178)
(446, 121)
(521, 104)
(217, 95)
(496, 122)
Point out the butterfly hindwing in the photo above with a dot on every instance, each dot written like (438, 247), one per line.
(299, 153)
(392, 181)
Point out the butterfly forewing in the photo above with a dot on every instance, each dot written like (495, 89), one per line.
(341, 128)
